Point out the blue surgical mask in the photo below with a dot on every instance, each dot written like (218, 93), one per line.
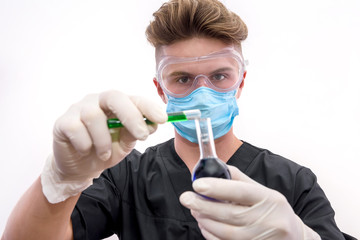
(221, 107)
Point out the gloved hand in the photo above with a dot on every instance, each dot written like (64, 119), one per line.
(83, 146)
(246, 210)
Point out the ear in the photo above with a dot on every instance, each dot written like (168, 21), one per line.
(238, 93)
(160, 90)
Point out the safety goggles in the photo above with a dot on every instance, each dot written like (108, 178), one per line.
(222, 71)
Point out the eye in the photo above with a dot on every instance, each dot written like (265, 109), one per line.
(218, 77)
(183, 79)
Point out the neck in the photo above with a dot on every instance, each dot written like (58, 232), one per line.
(225, 147)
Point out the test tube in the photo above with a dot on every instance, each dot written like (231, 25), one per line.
(172, 117)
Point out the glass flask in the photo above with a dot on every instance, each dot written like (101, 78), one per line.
(209, 165)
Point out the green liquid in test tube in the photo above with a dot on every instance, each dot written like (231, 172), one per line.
(172, 117)
(176, 117)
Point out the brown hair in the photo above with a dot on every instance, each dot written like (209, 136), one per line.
(183, 19)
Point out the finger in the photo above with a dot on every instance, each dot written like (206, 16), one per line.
(131, 112)
(152, 128)
(219, 230)
(69, 129)
(95, 121)
(239, 192)
(236, 174)
(220, 211)
(206, 234)
(150, 109)
(126, 111)
(124, 143)
(224, 231)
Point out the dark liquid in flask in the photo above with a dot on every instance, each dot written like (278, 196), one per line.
(211, 167)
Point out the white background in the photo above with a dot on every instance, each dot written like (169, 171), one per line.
(301, 97)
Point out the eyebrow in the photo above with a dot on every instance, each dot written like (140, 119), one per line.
(221, 70)
(179, 73)
(183, 73)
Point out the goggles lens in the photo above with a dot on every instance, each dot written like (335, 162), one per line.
(221, 71)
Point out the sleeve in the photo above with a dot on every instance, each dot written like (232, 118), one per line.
(97, 212)
(313, 207)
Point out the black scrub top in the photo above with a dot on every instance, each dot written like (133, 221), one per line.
(139, 197)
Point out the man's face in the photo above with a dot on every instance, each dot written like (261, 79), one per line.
(186, 65)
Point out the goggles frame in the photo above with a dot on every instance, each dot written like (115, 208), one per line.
(225, 52)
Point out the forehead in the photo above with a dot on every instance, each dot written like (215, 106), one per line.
(194, 47)
(196, 65)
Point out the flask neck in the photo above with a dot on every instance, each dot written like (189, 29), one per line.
(205, 138)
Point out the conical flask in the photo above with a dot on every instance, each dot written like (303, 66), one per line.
(209, 165)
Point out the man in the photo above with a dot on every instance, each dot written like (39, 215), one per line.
(150, 195)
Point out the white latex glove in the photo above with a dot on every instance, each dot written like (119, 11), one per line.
(83, 146)
(246, 210)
